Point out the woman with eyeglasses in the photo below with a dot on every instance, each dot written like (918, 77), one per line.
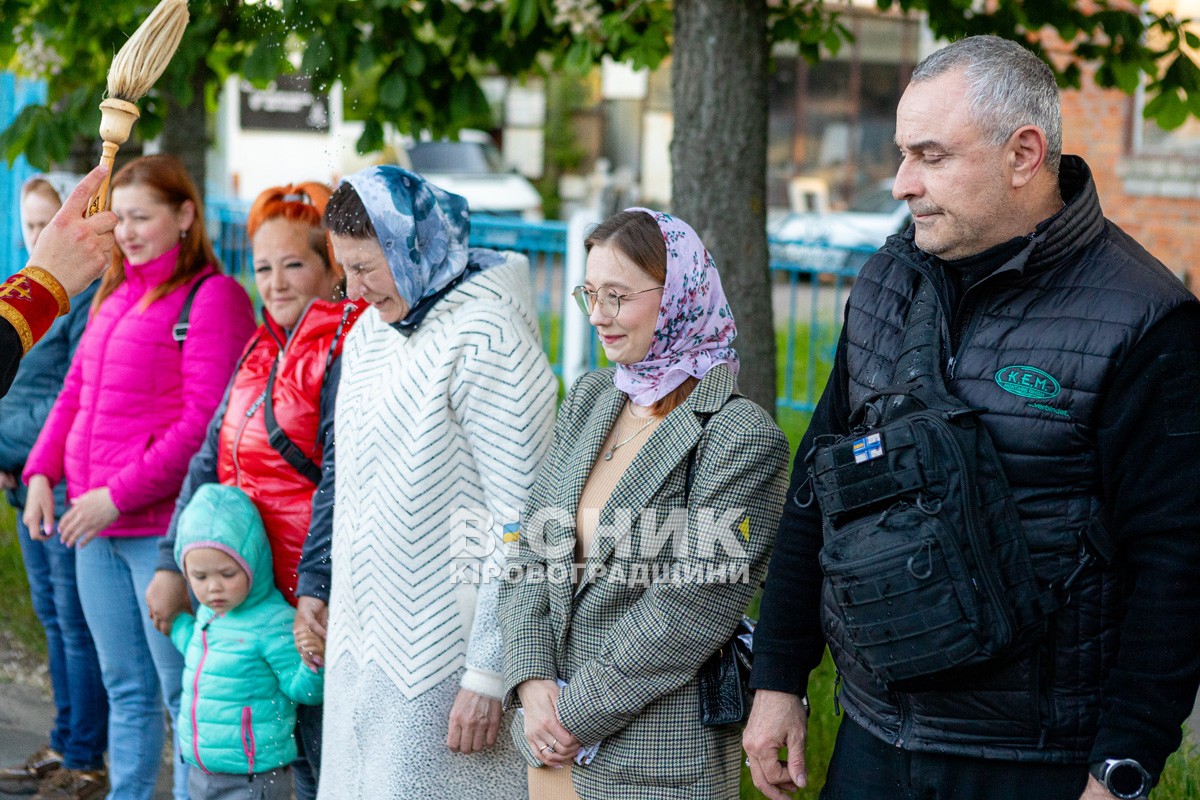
(272, 436)
(645, 535)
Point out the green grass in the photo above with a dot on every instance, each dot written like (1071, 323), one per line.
(16, 609)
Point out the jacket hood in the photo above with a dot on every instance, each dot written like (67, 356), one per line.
(225, 518)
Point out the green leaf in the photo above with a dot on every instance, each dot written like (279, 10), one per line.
(1168, 110)
(1182, 73)
(1126, 75)
(366, 56)
(393, 89)
(414, 60)
(263, 62)
(372, 137)
(527, 16)
(317, 55)
(468, 105)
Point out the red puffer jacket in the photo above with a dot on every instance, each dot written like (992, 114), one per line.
(246, 458)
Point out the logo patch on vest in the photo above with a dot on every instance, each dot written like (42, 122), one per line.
(1025, 381)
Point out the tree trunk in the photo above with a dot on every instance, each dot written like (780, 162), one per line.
(719, 164)
(185, 129)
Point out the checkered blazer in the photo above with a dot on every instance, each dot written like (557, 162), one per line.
(630, 649)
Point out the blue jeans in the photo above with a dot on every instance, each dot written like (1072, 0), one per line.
(81, 708)
(141, 668)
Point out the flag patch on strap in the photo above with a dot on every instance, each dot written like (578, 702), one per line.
(867, 448)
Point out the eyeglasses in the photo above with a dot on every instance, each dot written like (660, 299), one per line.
(609, 302)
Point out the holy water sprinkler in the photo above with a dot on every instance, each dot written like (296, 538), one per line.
(134, 70)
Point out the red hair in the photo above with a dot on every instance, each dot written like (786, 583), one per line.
(297, 202)
(165, 176)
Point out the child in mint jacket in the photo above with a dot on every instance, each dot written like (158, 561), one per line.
(242, 674)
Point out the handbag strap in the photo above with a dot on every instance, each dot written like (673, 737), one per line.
(917, 380)
(279, 439)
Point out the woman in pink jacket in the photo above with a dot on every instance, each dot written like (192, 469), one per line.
(132, 412)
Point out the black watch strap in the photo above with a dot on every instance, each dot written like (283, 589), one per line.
(1124, 778)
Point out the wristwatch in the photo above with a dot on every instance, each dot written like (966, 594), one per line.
(1124, 778)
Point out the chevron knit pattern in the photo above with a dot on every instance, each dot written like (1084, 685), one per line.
(454, 419)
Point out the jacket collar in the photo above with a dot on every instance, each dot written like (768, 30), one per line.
(1057, 238)
(154, 271)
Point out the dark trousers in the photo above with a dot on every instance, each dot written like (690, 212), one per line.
(865, 768)
(306, 769)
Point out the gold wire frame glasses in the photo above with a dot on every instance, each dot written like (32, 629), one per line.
(609, 302)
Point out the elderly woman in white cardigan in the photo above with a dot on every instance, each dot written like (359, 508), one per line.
(445, 410)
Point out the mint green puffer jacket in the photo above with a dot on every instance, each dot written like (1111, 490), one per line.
(242, 676)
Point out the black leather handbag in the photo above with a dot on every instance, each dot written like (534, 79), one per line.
(725, 679)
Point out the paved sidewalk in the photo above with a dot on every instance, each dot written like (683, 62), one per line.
(25, 717)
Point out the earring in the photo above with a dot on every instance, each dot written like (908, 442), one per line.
(183, 233)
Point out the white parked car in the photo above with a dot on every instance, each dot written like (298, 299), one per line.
(473, 167)
(819, 240)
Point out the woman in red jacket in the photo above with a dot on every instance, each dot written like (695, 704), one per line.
(273, 434)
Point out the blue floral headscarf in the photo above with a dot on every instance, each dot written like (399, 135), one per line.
(422, 229)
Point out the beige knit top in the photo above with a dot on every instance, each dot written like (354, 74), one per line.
(623, 443)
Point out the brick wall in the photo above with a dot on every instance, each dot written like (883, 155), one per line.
(1156, 199)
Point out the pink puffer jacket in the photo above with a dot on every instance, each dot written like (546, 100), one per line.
(135, 406)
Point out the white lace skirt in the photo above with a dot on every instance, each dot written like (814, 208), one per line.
(376, 745)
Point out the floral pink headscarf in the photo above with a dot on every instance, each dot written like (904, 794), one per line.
(695, 328)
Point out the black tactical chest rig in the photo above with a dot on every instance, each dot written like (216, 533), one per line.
(926, 565)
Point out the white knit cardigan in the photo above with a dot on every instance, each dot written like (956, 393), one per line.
(434, 429)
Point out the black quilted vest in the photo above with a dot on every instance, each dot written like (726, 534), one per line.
(1038, 343)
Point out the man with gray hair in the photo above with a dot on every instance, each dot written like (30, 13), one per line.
(1049, 333)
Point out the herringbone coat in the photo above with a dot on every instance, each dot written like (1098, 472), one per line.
(630, 642)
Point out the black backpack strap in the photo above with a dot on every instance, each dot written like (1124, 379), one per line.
(276, 435)
(279, 439)
(180, 330)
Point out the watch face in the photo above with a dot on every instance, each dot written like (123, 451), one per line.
(1126, 779)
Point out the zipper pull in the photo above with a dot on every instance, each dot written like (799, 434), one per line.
(950, 366)
(837, 690)
(262, 398)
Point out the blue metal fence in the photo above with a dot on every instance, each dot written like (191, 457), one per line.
(813, 278)
(15, 94)
(809, 285)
